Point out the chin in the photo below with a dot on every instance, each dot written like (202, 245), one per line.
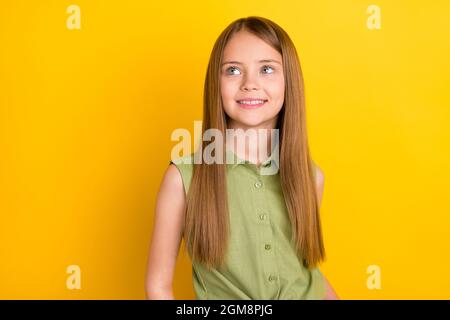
(250, 123)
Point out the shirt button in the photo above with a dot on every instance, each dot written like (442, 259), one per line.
(258, 184)
(272, 278)
(267, 247)
(262, 216)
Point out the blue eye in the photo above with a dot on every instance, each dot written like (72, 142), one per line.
(232, 68)
(269, 67)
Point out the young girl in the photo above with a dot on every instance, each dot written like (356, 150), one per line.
(249, 235)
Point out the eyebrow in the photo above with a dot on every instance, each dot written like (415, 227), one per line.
(260, 61)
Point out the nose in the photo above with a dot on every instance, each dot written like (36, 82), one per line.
(249, 83)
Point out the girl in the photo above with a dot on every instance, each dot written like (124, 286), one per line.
(249, 235)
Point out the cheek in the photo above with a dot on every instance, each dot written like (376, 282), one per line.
(227, 90)
(277, 89)
(227, 94)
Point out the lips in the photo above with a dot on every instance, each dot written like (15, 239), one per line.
(251, 103)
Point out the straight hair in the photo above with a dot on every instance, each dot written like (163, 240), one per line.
(206, 224)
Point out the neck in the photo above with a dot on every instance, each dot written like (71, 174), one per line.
(252, 145)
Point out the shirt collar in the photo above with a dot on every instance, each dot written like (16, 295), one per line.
(233, 160)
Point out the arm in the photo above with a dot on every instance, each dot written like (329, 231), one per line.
(320, 179)
(330, 294)
(167, 235)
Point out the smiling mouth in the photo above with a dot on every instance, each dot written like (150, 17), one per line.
(251, 103)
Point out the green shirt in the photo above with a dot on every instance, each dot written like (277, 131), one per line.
(261, 262)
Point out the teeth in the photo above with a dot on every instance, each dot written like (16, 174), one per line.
(252, 102)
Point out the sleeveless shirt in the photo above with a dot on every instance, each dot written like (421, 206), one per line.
(261, 262)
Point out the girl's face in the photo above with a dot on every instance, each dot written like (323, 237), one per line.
(251, 70)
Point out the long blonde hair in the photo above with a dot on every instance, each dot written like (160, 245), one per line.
(206, 226)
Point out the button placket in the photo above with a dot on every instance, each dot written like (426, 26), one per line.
(269, 259)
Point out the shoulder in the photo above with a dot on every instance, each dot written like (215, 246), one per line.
(318, 174)
(172, 180)
(182, 168)
(319, 180)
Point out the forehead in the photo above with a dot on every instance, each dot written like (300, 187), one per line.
(248, 48)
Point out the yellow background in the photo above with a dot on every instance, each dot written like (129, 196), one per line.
(86, 118)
